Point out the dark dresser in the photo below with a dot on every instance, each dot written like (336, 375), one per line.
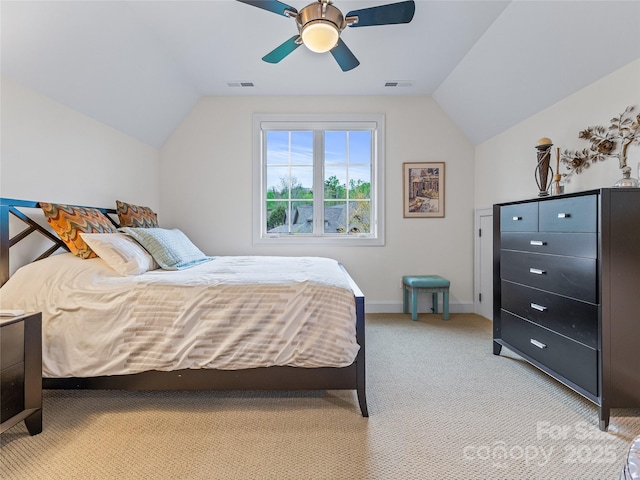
(21, 372)
(566, 275)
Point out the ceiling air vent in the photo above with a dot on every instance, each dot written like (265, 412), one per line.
(240, 84)
(399, 83)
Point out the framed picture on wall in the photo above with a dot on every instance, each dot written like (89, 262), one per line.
(423, 189)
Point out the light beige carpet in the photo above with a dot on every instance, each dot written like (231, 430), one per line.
(442, 406)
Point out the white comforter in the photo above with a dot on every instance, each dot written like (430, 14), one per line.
(230, 313)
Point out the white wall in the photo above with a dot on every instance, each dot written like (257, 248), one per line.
(52, 153)
(505, 164)
(206, 176)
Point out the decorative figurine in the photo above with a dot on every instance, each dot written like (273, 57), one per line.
(543, 178)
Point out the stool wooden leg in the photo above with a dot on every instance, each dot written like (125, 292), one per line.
(445, 304)
(434, 300)
(414, 304)
(405, 299)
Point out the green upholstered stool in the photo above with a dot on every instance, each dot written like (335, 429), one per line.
(433, 284)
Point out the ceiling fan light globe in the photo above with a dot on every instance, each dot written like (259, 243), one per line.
(320, 36)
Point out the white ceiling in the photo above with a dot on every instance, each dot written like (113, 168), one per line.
(141, 66)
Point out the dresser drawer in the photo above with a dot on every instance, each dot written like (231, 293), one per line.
(572, 360)
(522, 217)
(11, 391)
(571, 318)
(573, 277)
(573, 214)
(572, 244)
(11, 344)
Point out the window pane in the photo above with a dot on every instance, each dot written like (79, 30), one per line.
(335, 147)
(302, 148)
(360, 217)
(277, 147)
(360, 183)
(360, 147)
(335, 217)
(277, 182)
(335, 183)
(277, 214)
(302, 217)
(302, 182)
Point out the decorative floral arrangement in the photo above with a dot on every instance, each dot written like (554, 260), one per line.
(623, 131)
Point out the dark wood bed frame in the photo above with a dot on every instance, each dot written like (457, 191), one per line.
(267, 378)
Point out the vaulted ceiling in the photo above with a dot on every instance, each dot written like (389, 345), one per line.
(141, 66)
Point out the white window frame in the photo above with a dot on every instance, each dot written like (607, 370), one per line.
(373, 122)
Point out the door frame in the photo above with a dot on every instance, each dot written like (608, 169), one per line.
(483, 212)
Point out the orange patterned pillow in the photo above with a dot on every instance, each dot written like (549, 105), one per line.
(68, 222)
(136, 216)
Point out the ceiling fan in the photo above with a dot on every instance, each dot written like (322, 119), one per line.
(320, 24)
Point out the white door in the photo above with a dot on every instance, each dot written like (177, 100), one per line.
(484, 263)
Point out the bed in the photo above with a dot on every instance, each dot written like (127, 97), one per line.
(232, 323)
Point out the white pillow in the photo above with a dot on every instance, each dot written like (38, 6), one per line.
(120, 252)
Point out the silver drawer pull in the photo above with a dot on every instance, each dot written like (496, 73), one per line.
(538, 344)
(564, 215)
(538, 243)
(537, 271)
(515, 219)
(540, 308)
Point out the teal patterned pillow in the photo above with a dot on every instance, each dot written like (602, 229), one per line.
(170, 248)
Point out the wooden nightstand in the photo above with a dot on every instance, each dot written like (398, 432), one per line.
(21, 372)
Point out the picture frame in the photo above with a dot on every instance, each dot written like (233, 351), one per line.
(423, 189)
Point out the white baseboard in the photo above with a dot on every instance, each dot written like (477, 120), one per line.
(423, 307)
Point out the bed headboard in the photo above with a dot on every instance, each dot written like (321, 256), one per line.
(24, 211)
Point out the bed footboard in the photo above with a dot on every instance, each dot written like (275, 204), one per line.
(267, 378)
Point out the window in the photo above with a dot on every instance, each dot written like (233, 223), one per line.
(318, 179)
